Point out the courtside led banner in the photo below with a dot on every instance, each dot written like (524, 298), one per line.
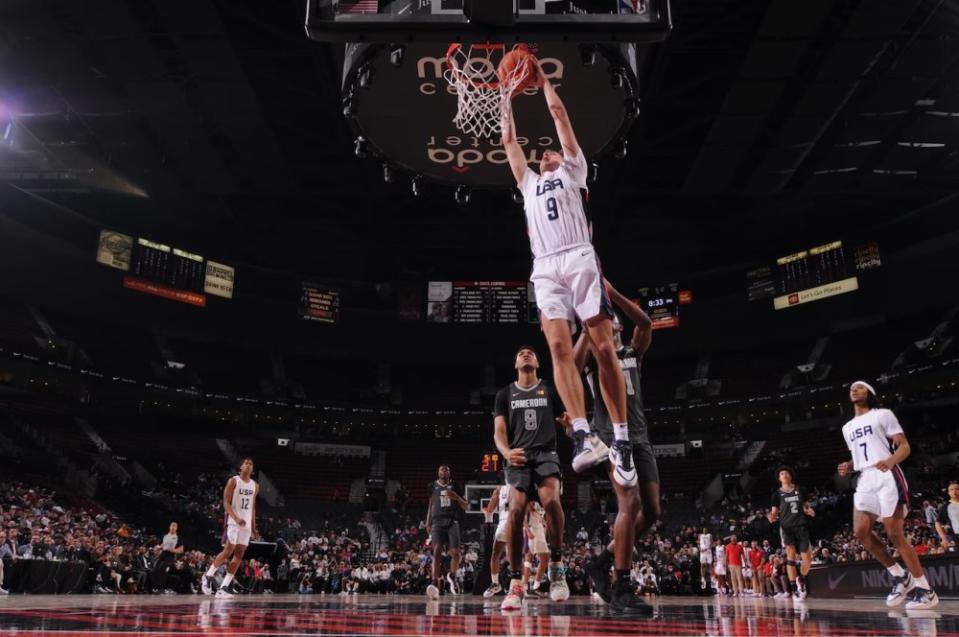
(817, 293)
(164, 291)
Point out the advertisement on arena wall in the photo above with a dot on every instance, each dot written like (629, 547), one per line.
(323, 449)
(871, 579)
(219, 279)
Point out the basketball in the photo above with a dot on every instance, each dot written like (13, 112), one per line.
(518, 56)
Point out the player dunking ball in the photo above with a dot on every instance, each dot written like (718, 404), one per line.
(524, 430)
(882, 493)
(639, 504)
(239, 506)
(790, 507)
(567, 282)
(442, 523)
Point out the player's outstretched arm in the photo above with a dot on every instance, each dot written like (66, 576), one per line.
(643, 326)
(564, 128)
(514, 152)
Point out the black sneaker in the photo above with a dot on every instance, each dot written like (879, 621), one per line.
(922, 599)
(626, 601)
(599, 578)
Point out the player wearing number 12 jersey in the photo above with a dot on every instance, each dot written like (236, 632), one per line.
(878, 444)
(239, 525)
(568, 283)
(524, 430)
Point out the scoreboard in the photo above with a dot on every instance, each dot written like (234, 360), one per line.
(810, 275)
(161, 263)
(319, 303)
(162, 270)
(480, 302)
(661, 303)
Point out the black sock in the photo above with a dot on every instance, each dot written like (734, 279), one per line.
(605, 559)
(516, 575)
(555, 555)
(622, 577)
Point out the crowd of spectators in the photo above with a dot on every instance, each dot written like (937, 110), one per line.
(341, 559)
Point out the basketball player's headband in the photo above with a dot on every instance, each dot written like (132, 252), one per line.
(868, 387)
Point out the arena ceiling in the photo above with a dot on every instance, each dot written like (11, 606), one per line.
(766, 126)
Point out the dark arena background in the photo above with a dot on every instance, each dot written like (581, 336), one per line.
(237, 229)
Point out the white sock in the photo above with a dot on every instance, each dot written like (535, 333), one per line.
(210, 572)
(895, 570)
(227, 580)
(921, 582)
(620, 431)
(580, 424)
(536, 583)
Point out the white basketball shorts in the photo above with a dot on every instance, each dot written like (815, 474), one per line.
(881, 492)
(569, 284)
(237, 535)
(501, 530)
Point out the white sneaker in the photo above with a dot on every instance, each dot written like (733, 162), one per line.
(558, 588)
(222, 592)
(621, 456)
(588, 451)
(922, 599)
(514, 598)
(432, 592)
(900, 589)
(453, 588)
(4, 591)
(494, 589)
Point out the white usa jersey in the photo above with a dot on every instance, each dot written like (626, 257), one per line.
(502, 506)
(536, 518)
(705, 541)
(243, 496)
(868, 437)
(557, 215)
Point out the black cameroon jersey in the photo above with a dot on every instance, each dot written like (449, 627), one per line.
(530, 415)
(790, 505)
(631, 365)
(444, 507)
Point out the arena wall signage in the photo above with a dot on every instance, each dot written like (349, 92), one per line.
(871, 579)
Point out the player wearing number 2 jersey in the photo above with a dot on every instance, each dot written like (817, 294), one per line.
(239, 525)
(568, 283)
(790, 506)
(878, 444)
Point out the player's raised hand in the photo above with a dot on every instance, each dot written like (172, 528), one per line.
(539, 77)
(516, 457)
(844, 468)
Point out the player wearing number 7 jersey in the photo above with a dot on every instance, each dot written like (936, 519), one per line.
(568, 283)
(878, 444)
(239, 525)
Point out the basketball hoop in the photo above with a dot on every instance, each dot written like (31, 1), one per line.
(481, 94)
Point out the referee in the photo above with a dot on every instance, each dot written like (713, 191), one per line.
(170, 550)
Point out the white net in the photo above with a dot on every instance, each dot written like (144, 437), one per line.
(481, 95)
